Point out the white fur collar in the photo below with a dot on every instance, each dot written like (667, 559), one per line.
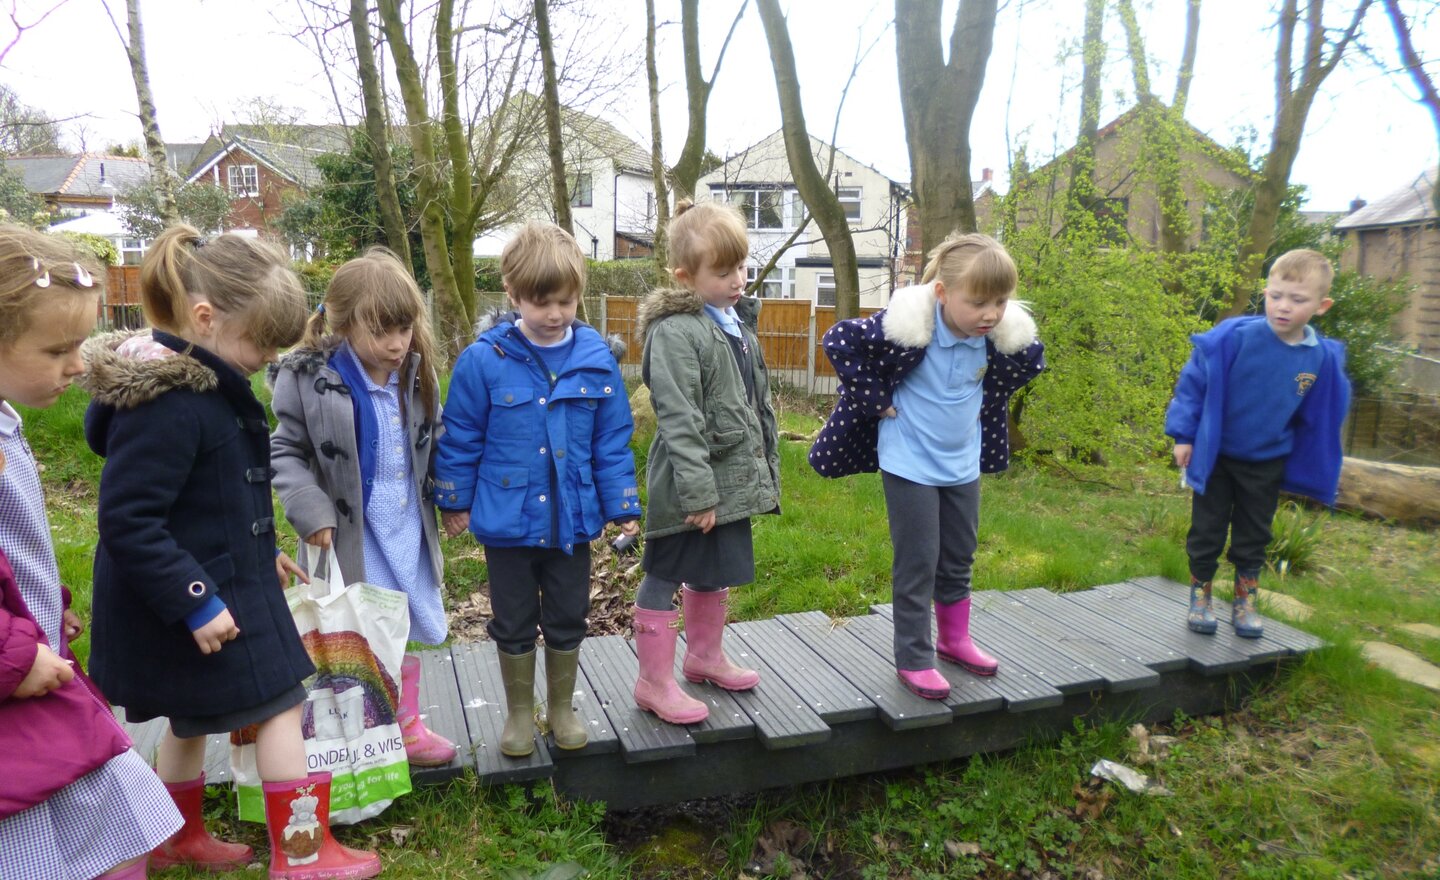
(910, 321)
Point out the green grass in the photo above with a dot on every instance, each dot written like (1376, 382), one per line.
(1333, 771)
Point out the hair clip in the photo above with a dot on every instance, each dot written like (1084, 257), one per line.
(83, 276)
(197, 242)
(44, 279)
(320, 310)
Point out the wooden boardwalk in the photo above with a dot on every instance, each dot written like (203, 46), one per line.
(829, 705)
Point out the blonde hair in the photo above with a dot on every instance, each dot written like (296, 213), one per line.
(1302, 265)
(540, 260)
(244, 278)
(376, 292)
(706, 236)
(27, 257)
(972, 263)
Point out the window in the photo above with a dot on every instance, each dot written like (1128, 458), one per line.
(849, 200)
(244, 180)
(132, 251)
(583, 193)
(825, 289)
(762, 208)
(779, 284)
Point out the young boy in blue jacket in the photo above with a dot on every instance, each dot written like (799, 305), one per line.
(1258, 409)
(534, 460)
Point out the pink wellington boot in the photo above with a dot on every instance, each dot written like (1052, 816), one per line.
(927, 683)
(136, 870)
(954, 644)
(297, 817)
(423, 746)
(655, 689)
(192, 845)
(705, 658)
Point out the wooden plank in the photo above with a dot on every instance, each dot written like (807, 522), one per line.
(1170, 599)
(781, 717)
(440, 709)
(587, 708)
(482, 695)
(1015, 682)
(1131, 606)
(1143, 648)
(610, 666)
(899, 708)
(1118, 671)
(1295, 641)
(819, 684)
(147, 735)
(726, 719)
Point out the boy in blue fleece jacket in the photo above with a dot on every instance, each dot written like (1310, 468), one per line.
(1258, 409)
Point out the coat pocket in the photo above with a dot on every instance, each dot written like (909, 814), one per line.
(499, 508)
(589, 519)
(510, 413)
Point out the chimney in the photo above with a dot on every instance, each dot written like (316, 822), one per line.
(1356, 204)
(102, 173)
(987, 175)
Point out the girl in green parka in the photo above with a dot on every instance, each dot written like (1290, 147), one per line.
(714, 462)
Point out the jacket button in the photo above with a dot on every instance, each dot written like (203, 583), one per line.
(196, 588)
(582, 390)
(608, 389)
(509, 398)
(452, 496)
(542, 499)
(505, 481)
(542, 401)
(542, 450)
(559, 453)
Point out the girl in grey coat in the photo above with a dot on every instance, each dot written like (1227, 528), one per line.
(358, 412)
(714, 462)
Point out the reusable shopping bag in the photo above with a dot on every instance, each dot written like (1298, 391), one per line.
(355, 634)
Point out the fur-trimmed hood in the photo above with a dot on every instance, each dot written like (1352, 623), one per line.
(124, 382)
(666, 301)
(910, 321)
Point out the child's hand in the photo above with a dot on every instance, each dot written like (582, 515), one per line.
(705, 520)
(630, 527)
(321, 539)
(889, 413)
(1182, 454)
(455, 522)
(72, 624)
(285, 567)
(46, 674)
(212, 636)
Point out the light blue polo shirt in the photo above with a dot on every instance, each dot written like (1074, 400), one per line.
(934, 439)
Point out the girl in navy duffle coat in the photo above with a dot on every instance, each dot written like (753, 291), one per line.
(924, 389)
(191, 621)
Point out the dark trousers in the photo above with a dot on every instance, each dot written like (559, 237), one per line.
(934, 531)
(538, 590)
(1240, 498)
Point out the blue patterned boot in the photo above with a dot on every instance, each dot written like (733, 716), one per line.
(1200, 619)
(1243, 614)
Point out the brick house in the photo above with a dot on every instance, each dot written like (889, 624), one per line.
(262, 167)
(1398, 237)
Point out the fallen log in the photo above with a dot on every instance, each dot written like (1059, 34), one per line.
(1405, 494)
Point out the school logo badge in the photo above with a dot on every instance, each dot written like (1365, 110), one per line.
(1303, 381)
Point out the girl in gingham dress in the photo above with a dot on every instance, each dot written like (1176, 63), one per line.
(77, 801)
(358, 415)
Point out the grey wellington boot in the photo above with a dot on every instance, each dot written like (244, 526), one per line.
(517, 671)
(565, 726)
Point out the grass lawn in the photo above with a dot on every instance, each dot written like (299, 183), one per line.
(1332, 772)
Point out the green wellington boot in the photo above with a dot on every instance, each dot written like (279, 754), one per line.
(565, 726)
(517, 671)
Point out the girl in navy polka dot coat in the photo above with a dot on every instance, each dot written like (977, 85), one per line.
(924, 389)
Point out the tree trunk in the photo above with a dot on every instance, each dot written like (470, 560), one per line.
(149, 123)
(457, 148)
(559, 183)
(1400, 493)
(697, 94)
(820, 199)
(397, 236)
(937, 101)
(1292, 105)
(657, 155)
(1082, 192)
(1416, 66)
(1186, 72)
(429, 186)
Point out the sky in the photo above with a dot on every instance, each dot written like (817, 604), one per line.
(1366, 135)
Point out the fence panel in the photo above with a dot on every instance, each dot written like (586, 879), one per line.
(1399, 427)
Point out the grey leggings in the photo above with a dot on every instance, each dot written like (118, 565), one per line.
(658, 594)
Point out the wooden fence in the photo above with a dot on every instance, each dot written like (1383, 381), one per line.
(1398, 427)
(790, 332)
